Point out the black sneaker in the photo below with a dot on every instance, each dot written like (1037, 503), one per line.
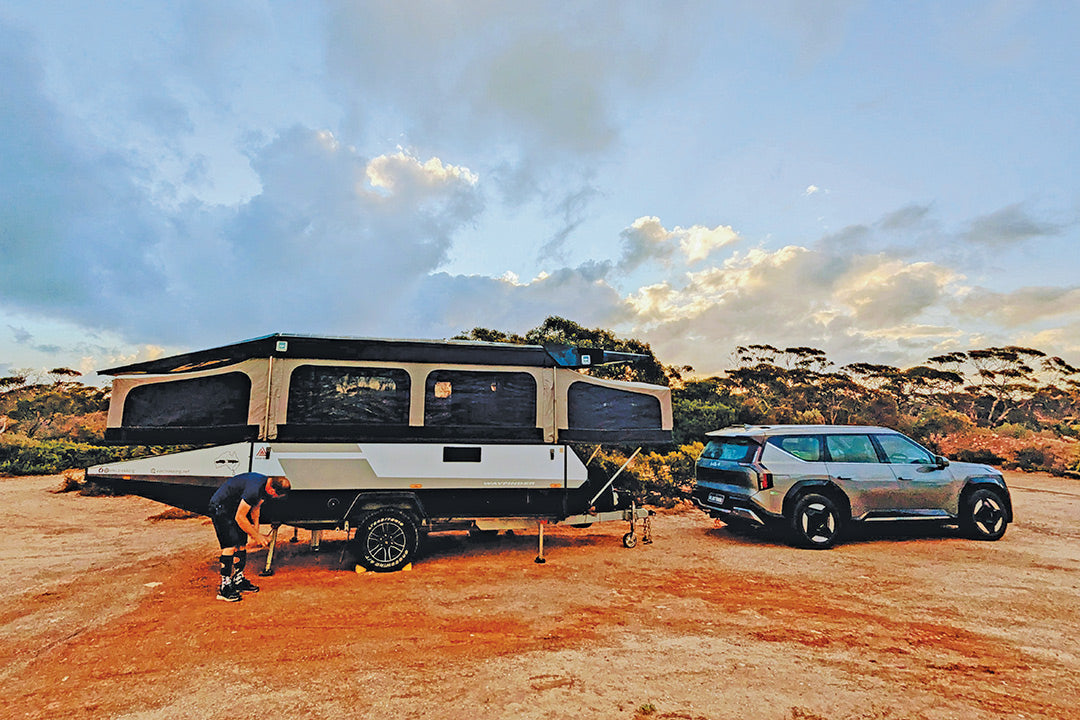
(229, 593)
(242, 584)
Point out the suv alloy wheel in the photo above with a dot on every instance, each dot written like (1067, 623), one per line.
(815, 522)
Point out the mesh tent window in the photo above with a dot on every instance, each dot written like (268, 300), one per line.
(217, 400)
(469, 397)
(327, 395)
(596, 407)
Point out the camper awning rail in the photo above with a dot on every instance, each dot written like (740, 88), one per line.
(457, 352)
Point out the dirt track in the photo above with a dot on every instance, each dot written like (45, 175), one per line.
(107, 614)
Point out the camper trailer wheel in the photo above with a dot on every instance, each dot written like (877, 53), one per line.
(385, 540)
(629, 540)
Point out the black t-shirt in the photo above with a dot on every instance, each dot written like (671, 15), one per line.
(249, 486)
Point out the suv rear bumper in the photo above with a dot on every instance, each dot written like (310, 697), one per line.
(733, 506)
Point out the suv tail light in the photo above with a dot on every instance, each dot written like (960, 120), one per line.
(764, 478)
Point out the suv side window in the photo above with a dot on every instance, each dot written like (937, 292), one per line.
(851, 448)
(804, 447)
(899, 449)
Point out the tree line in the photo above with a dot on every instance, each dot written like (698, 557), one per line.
(1012, 406)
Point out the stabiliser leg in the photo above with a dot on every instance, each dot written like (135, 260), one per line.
(540, 557)
(269, 569)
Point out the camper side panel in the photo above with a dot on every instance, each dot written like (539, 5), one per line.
(597, 410)
(220, 405)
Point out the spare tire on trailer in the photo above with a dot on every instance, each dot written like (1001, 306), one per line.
(385, 540)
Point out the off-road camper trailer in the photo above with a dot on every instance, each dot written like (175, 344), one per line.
(383, 435)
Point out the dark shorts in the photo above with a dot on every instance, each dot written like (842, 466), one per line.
(229, 534)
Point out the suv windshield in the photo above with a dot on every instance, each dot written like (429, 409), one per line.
(735, 449)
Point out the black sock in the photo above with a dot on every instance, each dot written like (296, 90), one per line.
(226, 568)
(241, 561)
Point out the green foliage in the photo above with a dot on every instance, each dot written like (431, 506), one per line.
(699, 406)
(560, 331)
(46, 410)
(1032, 459)
(1014, 430)
(653, 478)
(981, 456)
(26, 456)
(935, 423)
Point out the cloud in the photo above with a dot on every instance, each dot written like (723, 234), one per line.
(647, 240)
(398, 171)
(539, 92)
(1008, 226)
(851, 293)
(884, 292)
(76, 233)
(313, 171)
(832, 294)
(446, 304)
(906, 217)
(542, 78)
(21, 336)
(330, 235)
(1025, 306)
(331, 243)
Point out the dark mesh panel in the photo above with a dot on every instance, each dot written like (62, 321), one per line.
(462, 397)
(208, 401)
(603, 408)
(325, 395)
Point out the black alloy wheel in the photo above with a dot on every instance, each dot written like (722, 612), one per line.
(983, 515)
(815, 522)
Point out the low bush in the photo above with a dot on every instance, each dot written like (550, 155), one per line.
(981, 456)
(654, 478)
(1031, 459)
(26, 456)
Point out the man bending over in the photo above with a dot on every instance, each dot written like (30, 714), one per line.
(234, 508)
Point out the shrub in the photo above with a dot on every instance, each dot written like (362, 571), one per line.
(654, 478)
(1013, 430)
(1031, 459)
(26, 456)
(935, 423)
(982, 456)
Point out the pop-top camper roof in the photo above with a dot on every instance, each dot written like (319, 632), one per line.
(307, 388)
(449, 352)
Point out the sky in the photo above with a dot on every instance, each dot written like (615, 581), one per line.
(883, 181)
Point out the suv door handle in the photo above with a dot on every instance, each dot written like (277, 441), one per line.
(841, 478)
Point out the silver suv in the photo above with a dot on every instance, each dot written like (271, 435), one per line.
(813, 480)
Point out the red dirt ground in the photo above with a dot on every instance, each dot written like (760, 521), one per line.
(107, 614)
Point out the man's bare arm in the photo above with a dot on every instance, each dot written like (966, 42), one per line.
(246, 525)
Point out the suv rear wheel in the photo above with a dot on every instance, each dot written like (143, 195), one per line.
(815, 522)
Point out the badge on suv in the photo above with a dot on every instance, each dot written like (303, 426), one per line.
(812, 481)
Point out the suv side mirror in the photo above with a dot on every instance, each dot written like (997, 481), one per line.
(942, 461)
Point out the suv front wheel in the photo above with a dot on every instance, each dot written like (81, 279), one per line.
(815, 522)
(983, 515)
